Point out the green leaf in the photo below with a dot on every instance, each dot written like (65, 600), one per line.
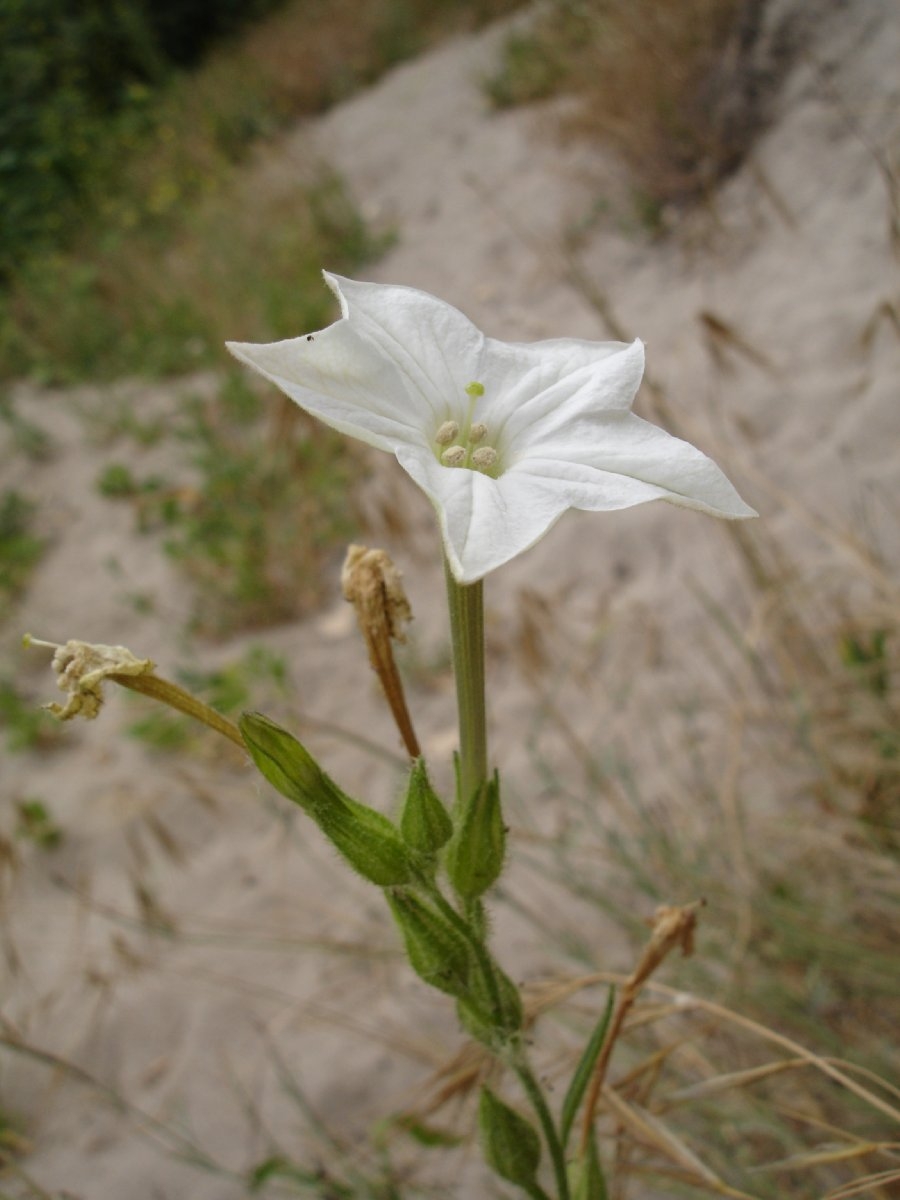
(512, 1146)
(424, 823)
(364, 837)
(583, 1071)
(428, 1135)
(475, 854)
(586, 1180)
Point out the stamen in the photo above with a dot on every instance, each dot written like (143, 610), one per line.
(477, 433)
(454, 456)
(484, 458)
(447, 433)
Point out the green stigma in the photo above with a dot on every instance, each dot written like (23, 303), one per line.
(475, 389)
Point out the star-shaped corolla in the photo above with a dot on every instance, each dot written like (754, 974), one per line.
(503, 437)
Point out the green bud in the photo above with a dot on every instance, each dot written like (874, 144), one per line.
(492, 1010)
(424, 822)
(437, 951)
(475, 855)
(365, 838)
(511, 1145)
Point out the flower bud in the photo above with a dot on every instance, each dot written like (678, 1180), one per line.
(365, 838)
(437, 951)
(511, 1144)
(424, 823)
(475, 855)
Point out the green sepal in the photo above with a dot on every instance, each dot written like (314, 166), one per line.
(586, 1180)
(512, 1146)
(491, 1012)
(437, 951)
(424, 822)
(365, 838)
(475, 854)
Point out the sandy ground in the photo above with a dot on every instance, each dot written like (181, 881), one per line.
(191, 942)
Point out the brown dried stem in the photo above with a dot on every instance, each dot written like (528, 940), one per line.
(372, 584)
(672, 926)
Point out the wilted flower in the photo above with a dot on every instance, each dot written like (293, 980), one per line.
(503, 437)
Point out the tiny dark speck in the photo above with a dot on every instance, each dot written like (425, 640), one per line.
(310, 338)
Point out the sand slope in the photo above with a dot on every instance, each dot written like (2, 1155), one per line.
(190, 934)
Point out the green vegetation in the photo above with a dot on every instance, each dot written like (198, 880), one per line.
(230, 689)
(20, 548)
(27, 727)
(136, 240)
(35, 824)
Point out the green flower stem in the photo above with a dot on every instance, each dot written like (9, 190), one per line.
(539, 1104)
(466, 606)
(176, 697)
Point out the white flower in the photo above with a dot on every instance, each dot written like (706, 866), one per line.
(503, 437)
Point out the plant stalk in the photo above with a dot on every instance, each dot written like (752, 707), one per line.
(551, 1137)
(466, 604)
(176, 697)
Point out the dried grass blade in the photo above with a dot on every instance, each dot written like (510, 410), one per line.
(826, 1154)
(734, 1079)
(647, 1129)
(865, 1186)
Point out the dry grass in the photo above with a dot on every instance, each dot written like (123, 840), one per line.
(678, 90)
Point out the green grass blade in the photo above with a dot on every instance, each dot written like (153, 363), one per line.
(583, 1071)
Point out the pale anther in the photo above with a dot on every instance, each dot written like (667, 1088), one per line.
(484, 458)
(447, 433)
(477, 433)
(454, 456)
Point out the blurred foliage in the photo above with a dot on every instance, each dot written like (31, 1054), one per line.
(66, 68)
(271, 506)
(20, 548)
(25, 726)
(114, 155)
(36, 824)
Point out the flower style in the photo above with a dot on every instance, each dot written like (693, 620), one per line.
(503, 437)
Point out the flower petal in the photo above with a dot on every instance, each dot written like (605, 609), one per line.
(484, 522)
(431, 344)
(339, 378)
(543, 396)
(613, 461)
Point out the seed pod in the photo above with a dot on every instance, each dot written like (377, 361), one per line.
(437, 951)
(511, 1145)
(365, 838)
(424, 823)
(475, 855)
